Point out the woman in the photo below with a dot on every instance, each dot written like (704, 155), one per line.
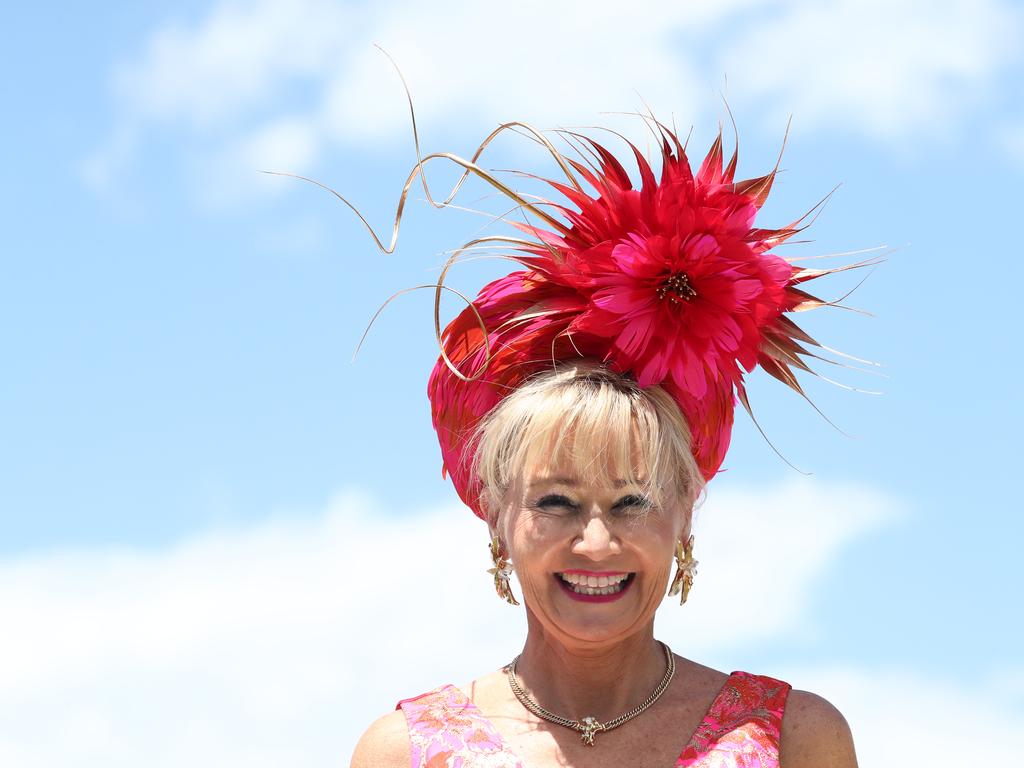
(581, 404)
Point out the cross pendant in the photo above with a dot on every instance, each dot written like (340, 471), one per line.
(590, 727)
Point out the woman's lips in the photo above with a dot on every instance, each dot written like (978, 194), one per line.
(584, 598)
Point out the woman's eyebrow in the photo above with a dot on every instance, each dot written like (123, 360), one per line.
(572, 482)
(554, 481)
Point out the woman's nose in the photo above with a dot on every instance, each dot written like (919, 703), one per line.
(596, 541)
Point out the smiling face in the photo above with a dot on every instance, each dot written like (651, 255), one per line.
(588, 480)
(593, 556)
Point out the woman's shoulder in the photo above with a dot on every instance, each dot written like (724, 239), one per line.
(814, 734)
(385, 744)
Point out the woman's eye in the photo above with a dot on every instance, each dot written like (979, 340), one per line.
(640, 502)
(554, 500)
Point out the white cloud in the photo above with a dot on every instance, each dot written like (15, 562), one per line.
(773, 542)
(892, 70)
(240, 56)
(276, 645)
(887, 69)
(224, 178)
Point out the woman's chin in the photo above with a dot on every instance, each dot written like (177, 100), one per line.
(593, 618)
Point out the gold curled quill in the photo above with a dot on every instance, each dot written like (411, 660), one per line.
(758, 188)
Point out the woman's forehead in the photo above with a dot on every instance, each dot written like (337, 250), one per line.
(562, 470)
(548, 476)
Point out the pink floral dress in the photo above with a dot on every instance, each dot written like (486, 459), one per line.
(740, 729)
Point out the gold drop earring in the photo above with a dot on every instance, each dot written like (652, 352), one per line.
(501, 571)
(686, 569)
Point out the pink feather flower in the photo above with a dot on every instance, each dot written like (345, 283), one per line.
(671, 283)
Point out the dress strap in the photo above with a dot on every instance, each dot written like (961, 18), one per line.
(446, 728)
(742, 727)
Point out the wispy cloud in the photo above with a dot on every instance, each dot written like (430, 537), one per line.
(887, 70)
(277, 644)
(239, 57)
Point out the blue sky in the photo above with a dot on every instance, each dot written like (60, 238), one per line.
(178, 331)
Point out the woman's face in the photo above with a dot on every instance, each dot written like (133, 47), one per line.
(567, 537)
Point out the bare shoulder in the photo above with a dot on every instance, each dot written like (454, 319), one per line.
(814, 734)
(385, 744)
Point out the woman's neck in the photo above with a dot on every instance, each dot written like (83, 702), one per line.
(599, 680)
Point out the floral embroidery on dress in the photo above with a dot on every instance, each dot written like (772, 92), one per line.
(446, 730)
(741, 730)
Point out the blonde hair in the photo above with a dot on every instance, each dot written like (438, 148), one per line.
(602, 423)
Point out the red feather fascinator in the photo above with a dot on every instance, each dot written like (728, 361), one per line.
(671, 284)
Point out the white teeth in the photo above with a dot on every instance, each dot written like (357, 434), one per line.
(594, 585)
(593, 581)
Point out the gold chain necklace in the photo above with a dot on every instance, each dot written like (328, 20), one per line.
(589, 726)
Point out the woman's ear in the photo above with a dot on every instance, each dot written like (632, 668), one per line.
(687, 522)
(491, 518)
(483, 505)
(496, 512)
